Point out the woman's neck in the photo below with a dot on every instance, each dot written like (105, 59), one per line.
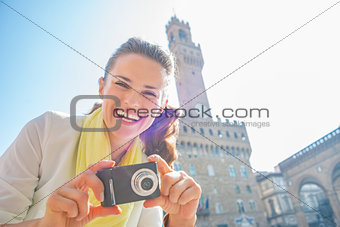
(119, 147)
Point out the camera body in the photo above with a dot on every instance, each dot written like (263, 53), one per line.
(131, 183)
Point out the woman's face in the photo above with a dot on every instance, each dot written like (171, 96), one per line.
(137, 81)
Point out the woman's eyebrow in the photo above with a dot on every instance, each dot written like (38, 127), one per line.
(123, 77)
(128, 80)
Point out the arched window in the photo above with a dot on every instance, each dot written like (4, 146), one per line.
(243, 137)
(192, 170)
(217, 151)
(248, 189)
(172, 37)
(237, 189)
(235, 135)
(237, 152)
(240, 206)
(233, 151)
(211, 132)
(232, 171)
(212, 150)
(252, 205)
(243, 171)
(227, 134)
(189, 149)
(182, 147)
(193, 130)
(185, 129)
(201, 150)
(194, 151)
(226, 151)
(202, 131)
(207, 150)
(219, 133)
(177, 166)
(182, 35)
(211, 171)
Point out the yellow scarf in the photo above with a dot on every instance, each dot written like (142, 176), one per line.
(95, 146)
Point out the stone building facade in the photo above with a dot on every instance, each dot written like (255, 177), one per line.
(279, 207)
(313, 178)
(215, 153)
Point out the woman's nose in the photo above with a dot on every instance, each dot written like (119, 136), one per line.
(132, 99)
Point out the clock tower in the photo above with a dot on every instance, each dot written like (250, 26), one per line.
(189, 59)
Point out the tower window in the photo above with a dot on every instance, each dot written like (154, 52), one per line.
(172, 37)
(193, 72)
(182, 35)
(211, 132)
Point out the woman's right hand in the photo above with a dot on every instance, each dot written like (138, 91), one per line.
(70, 206)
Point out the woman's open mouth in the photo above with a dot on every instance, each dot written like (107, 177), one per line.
(126, 117)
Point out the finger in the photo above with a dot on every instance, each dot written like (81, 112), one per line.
(80, 197)
(192, 193)
(58, 203)
(177, 189)
(164, 203)
(159, 201)
(162, 166)
(89, 179)
(99, 211)
(101, 165)
(168, 180)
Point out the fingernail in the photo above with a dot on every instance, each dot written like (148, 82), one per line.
(101, 196)
(153, 156)
(79, 219)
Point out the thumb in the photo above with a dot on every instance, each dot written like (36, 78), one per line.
(159, 201)
(99, 211)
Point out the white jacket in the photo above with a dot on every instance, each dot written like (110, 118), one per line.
(41, 159)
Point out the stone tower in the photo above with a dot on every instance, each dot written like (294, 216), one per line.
(215, 153)
(189, 59)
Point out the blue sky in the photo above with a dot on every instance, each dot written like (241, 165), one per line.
(297, 80)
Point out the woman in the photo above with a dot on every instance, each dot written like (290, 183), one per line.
(48, 152)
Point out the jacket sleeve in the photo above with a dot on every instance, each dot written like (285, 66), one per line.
(151, 217)
(19, 170)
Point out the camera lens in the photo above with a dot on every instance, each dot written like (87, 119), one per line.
(147, 184)
(144, 182)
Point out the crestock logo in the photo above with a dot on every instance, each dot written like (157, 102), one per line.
(134, 115)
(73, 112)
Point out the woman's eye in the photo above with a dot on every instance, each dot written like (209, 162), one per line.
(122, 84)
(150, 93)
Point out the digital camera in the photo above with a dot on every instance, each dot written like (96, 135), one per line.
(125, 184)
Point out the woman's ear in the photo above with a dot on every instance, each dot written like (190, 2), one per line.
(101, 86)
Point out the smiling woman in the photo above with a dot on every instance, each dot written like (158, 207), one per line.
(46, 174)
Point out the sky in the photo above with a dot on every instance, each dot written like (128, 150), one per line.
(297, 79)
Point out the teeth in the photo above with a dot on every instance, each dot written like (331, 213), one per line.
(122, 113)
(127, 120)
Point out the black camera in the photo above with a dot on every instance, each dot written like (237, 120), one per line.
(131, 183)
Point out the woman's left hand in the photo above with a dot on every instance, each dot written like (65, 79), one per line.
(180, 193)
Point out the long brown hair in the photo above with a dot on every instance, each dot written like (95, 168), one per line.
(160, 137)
